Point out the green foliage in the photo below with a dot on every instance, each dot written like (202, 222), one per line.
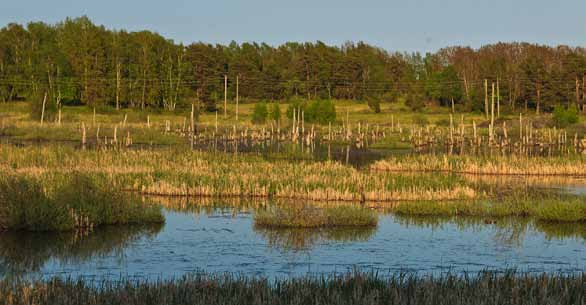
(321, 112)
(275, 113)
(414, 101)
(67, 203)
(36, 110)
(563, 117)
(312, 217)
(260, 113)
(373, 288)
(420, 119)
(374, 104)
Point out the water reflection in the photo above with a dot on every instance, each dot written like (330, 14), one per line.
(509, 231)
(304, 239)
(24, 252)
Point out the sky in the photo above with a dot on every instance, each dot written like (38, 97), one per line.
(405, 26)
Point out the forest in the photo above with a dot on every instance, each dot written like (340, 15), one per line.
(78, 62)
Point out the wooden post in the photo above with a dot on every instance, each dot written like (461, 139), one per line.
(59, 116)
(148, 121)
(43, 108)
(237, 97)
(225, 96)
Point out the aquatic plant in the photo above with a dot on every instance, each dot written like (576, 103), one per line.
(179, 172)
(484, 288)
(542, 207)
(306, 216)
(67, 202)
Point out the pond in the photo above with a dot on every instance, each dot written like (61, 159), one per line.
(224, 239)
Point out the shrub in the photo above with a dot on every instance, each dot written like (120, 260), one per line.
(563, 117)
(67, 203)
(374, 104)
(37, 108)
(420, 119)
(275, 114)
(321, 112)
(294, 106)
(260, 113)
(414, 102)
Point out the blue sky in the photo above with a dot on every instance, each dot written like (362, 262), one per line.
(414, 25)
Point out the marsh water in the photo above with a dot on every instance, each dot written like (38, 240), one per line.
(210, 238)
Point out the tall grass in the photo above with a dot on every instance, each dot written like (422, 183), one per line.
(497, 165)
(548, 208)
(351, 288)
(187, 173)
(63, 203)
(307, 216)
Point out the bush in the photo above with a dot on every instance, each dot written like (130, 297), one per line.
(275, 114)
(295, 105)
(321, 112)
(563, 117)
(37, 108)
(414, 102)
(260, 113)
(420, 119)
(67, 203)
(374, 104)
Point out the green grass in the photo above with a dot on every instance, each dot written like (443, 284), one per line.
(547, 208)
(351, 288)
(68, 202)
(312, 217)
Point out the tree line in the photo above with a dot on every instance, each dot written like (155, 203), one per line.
(78, 62)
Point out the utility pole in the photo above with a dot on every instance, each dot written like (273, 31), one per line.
(498, 99)
(491, 129)
(225, 95)
(486, 98)
(236, 97)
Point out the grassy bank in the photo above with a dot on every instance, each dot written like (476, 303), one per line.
(547, 208)
(355, 288)
(65, 203)
(307, 216)
(499, 165)
(176, 172)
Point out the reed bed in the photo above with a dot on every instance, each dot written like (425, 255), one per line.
(351, 288)
(497, 165)
(64, 203)
(558, 208)
(307, 216)
(189, 173)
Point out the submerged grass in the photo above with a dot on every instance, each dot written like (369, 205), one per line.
(311, 217)
(351, 288)
(63, 203)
